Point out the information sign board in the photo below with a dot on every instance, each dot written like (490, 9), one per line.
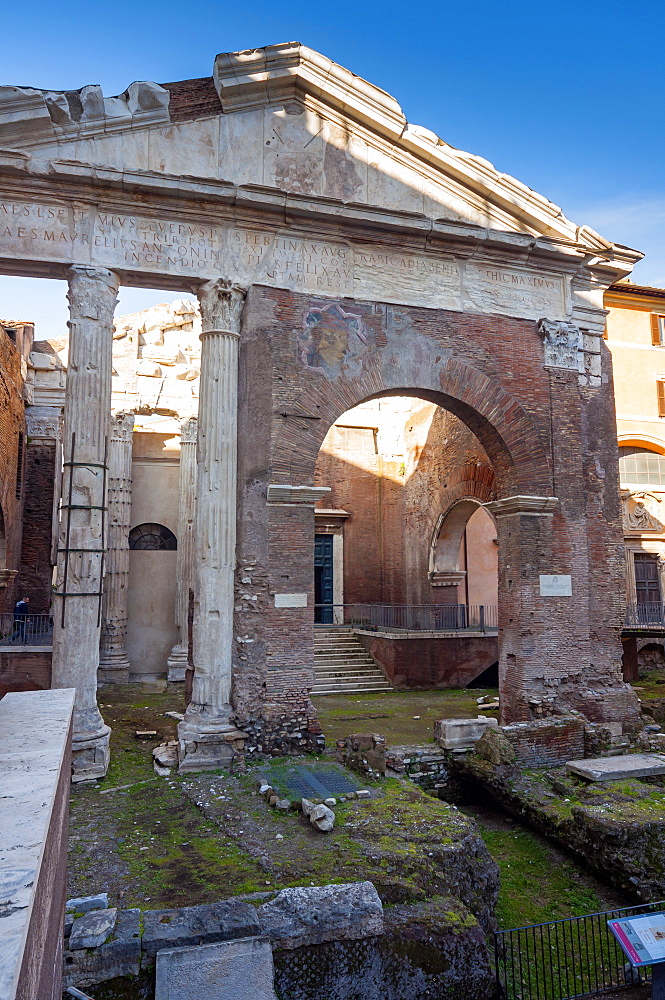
(642, 938)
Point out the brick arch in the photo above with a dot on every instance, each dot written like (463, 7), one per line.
(505, 430)
(449, 529)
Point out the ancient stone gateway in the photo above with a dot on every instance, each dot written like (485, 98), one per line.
(339, 253)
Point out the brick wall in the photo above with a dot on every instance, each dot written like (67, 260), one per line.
(542, 434)
(14, 346)
(432, 663)
(35, 575)
(547, 743)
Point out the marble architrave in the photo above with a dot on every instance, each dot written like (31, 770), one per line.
(207, 737)
(82, 537)
(178, 660)
(114, 663)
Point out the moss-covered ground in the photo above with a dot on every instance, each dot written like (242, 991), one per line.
(403, 717)
(153, 841)
(170, 841)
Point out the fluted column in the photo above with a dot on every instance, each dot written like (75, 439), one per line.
(206, 735)
(177, 661)
(83, 518)
(113, 659)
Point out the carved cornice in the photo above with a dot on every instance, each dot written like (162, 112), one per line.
(301, 495)
(522, 505)
(446, 578)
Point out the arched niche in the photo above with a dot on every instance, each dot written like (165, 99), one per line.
(463, 551)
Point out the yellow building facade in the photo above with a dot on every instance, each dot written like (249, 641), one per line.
(636, 340)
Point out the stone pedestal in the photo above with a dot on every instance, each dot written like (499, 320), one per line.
(207, 737)
(83, 517)
(178, 660)
(113, 659)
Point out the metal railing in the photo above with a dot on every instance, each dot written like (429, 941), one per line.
(29, 630)
(565, 959)
(409, 617)
(645, 615)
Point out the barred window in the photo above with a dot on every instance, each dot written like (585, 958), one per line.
(639, 466)
(152, 536)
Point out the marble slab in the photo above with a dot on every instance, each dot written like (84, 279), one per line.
(34, 728)
(630, 765)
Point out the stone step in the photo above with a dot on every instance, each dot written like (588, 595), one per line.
(353, 689)
(335, 657)
(324, 675)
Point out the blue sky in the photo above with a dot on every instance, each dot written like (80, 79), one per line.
(566, 96)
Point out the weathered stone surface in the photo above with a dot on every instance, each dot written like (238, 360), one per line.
(495, 746)
(434, 949)
(227, 970)
(121, 956)
(319, 815)
(92, 929)
(84, 903)
(633, 765)
(461, 734)
(616, 829)
(193, 925)
(303, 916)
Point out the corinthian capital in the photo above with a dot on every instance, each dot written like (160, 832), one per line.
(93, 293)
(122, 426)
(188, 431)
(221, 304)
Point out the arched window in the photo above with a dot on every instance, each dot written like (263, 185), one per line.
(640, 466)
(152, 536)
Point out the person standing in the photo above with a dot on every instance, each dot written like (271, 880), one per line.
(21, 618)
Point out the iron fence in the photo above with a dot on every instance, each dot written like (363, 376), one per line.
(409, 617)
(565, 959)
(645, 615)
(26, 630)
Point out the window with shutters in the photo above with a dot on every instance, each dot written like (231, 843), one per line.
(647, 578)
(658, 329)
(660, 384)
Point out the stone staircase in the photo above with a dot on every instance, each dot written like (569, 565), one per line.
(342, 665)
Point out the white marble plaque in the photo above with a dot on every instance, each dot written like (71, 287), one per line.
(556, 586)
(290, 600)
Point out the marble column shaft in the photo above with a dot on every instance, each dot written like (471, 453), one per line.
(206, 729)
(113, 660)
(178, 660)
(76, 623)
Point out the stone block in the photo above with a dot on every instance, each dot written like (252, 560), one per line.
(92, 929)
(82, 904)
(121, 956)
(192, 925)
(630, 765)
(299, 917)
(461, 734)
(227, 970)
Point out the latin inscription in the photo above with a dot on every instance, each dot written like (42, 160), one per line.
(67, 234)
(513, 293)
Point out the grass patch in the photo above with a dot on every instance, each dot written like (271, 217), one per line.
(533, 889)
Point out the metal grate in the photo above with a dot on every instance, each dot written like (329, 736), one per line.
(319, 781)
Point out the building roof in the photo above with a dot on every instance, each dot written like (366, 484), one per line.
(644, 291)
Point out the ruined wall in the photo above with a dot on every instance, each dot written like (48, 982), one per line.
(15, 342)
(304, 362)
(36, 572)
(431, 663)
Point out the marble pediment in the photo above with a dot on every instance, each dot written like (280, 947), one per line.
(284, 118)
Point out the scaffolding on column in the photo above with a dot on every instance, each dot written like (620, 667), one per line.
(69, 507)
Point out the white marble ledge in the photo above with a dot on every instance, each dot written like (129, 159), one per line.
(34, 728)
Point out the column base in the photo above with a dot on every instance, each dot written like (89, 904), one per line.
(203, 746)
(177, 664)
(90, 757)
(113, 670)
